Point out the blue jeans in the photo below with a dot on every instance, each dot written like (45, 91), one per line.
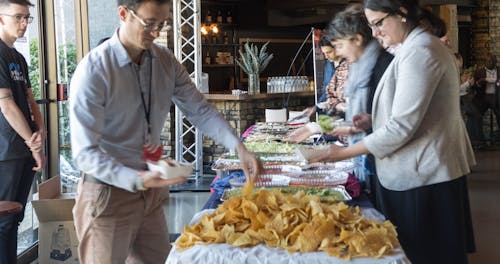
(16, 177)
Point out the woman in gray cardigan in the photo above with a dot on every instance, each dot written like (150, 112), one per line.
(419, 140)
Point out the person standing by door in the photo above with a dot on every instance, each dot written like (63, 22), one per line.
(21, 126)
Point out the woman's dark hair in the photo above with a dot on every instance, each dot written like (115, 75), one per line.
(349, 23)
(324, 41)
(432, 23)
(393, 7)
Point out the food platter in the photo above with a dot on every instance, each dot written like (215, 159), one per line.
(337, 193)
(267, 180)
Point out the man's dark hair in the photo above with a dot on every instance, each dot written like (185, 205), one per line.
(19, 2)
(134, 4)
(349, 23)
(324, 41)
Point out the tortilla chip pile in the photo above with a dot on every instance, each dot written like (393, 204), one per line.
(297, 223)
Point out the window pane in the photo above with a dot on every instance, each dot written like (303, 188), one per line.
(66, 64)
(103, 20)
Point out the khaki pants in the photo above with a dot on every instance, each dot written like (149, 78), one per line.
(117, 226)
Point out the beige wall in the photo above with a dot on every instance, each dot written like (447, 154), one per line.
(449, 14)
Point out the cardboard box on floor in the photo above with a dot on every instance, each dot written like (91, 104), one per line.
(56, 231)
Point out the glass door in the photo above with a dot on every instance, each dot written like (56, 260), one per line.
(66, 61)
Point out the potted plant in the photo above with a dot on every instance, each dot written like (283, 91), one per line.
(253, 62)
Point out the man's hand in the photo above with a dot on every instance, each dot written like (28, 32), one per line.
(252, 167)
(299, 135)
(153, 179)
(362, 121)
(39, 158)
(35, 143)
(471, 81)
(344, 131)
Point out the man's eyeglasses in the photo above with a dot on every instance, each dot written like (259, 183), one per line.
(379, 23)
(20, 18)
(148, 26)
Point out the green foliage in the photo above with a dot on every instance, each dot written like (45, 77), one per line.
(33, 68)
(67, 63)
(252, 60)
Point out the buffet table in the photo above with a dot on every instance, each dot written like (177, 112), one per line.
(287, 173)
(261, 254)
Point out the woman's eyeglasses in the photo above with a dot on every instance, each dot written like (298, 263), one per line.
(379, 23)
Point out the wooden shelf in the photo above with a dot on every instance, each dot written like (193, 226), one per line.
(218, 65)
(220, 44)
(219, 24)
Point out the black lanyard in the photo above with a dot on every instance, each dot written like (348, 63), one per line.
(147, 109)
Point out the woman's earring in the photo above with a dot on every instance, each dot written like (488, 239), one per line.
(403, 20)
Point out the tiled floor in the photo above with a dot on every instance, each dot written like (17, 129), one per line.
(484, 190)
(181, 208)
(184, 201)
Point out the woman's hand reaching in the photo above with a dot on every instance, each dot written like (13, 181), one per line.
(362, 121)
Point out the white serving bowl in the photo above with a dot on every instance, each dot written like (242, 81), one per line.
(170, 169)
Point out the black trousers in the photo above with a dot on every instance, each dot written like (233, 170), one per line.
(16, 177)
(433, 222)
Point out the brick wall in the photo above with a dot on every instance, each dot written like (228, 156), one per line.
(486, 30)
(494, 22)
(486, 39)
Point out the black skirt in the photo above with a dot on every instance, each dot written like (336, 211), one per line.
(433, 222)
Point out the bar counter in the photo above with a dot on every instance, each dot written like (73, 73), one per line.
(245, 97)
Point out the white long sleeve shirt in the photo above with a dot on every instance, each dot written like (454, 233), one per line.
(107, 115)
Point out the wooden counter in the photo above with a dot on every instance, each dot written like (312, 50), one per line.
(245, 97)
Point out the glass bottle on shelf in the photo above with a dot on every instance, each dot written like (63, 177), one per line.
(207, 59)
(229, 17)
(219, 16)
(225, 38)
(208, 19)
(214, 38)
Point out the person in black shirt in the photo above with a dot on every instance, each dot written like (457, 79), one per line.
(21, 125)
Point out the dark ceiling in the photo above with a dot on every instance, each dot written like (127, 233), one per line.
(305, 12)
